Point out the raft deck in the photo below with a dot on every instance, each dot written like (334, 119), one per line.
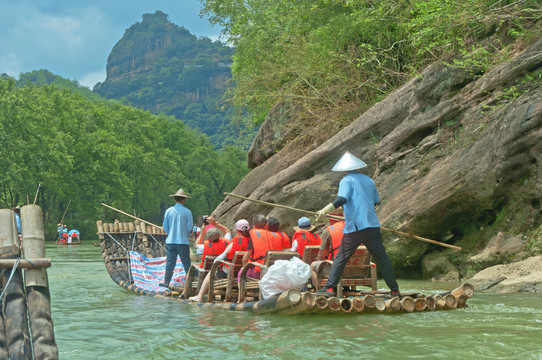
(117, 239)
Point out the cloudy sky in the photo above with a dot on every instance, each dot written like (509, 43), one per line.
(72, 38)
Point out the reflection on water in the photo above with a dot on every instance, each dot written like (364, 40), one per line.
(95, 319)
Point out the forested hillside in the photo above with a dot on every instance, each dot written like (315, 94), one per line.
(89, 152)
(163, 68)
(441, 98)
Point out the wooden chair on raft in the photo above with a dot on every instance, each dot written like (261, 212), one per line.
(228, 288)
(194, 276)
(310, 253)
(249, 287)
(359, 271)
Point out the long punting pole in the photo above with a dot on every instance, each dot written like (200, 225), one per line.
(69, 202)
(37, 192)
(341, 218)
(132, 216)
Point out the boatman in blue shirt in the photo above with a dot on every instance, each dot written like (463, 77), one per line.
(178, 223)
(358, 197)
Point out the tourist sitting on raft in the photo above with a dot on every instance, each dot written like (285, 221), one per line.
(304, 235)
(277, 239)
(258, 245)
(238, 243)
(209, 223)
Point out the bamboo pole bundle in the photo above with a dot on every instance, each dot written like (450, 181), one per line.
(466, 289)
(38, 297)
(305, 306)
(420, 304)
(346, 305)
(285, 300)
(408, 304)
(14, 310)
(393, 305)
(374, 304)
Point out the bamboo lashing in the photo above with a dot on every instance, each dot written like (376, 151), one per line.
(132, 216)
(342, 218)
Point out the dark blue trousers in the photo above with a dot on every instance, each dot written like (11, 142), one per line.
(372, 240)
(174, 250)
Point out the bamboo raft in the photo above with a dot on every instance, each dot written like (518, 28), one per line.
(26, 326)
(116, 239)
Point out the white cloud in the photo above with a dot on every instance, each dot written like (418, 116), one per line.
(91, 79)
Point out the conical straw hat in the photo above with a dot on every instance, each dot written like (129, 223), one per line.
(348, 162)
(181, 193)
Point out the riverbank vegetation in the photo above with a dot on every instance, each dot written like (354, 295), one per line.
(91, 152)
(335, 58)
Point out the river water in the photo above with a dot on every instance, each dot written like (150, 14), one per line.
(96, 319)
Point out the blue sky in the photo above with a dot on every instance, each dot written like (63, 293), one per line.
(72, 38)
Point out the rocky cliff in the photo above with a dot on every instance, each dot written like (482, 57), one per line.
(456, 157)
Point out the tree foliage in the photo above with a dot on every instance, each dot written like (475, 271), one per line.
(334, 58)
(92, 152)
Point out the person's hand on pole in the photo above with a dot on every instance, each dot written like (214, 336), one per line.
(321, 215)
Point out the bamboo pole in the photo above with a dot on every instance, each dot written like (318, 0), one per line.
(420, 304)
(408, 304)
(69, 202)
(393, 305)
(36, 197)
(342, 218)
(25, 263)
(132, 216)
(346, 305)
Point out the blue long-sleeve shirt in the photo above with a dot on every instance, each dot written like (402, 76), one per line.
(361, 196)
(178, 223)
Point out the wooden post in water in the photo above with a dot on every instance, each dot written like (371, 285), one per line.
(33, 243)
(38, 297)
(17, 339)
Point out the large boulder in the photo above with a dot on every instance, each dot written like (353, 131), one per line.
(455, 157)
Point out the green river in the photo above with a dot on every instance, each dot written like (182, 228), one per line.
(96, 319)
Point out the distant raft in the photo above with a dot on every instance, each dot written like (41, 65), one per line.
(26, 327)
(121, 241)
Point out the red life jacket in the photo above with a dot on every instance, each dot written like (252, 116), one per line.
(213, 248)
(336, 233)
(260, 244)
(239, 243)
(305, 238)
(275, 240)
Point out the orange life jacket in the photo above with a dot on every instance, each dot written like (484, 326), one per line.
(336, 233)
(260, 244)
(239, 243)
(213, 248)
(305, 238)
(275, 240)
(285, 241)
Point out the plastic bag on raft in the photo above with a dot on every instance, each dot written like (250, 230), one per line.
(284, 275)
